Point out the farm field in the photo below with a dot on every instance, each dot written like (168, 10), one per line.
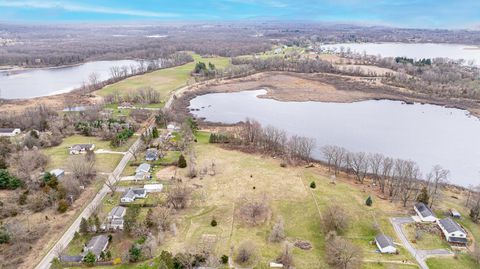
(165, 81)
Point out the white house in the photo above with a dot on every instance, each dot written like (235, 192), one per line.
(385, 244)
(142, 172)
(131, 194)
(153, 187)
(58, 173)
(9, 131)
(424, 213)
(115, 218)
(453, 232)
(81, 148)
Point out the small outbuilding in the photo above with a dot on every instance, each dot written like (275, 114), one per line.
(424, 212)
(153, 187)
(9, 131)
(452, 231)
(385, 244)
(454, 213)
(58, 173)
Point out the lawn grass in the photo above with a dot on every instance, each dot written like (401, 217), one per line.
(427, 241)
(165, 81)
(60, 157)
(462, 261)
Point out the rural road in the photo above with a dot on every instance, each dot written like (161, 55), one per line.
(418, 254)
(89, 209)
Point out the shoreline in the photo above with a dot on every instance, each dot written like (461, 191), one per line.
(318, 87)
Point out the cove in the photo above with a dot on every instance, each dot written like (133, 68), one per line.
(427, 134)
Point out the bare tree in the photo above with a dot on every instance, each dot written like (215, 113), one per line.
(254, 210)
(386, 173)
(335, 156)
(375, 165)
(341, 253)
(82, 169)
(436, 180)
(162, 217)
(110, 183)
(335, 218)
(278, 231)
(179, 195)
(246, 252)
(286, 258)
(358, 163)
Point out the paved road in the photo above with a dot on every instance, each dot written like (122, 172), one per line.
(89, 209)
(419, 254)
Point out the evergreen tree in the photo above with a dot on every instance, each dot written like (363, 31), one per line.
(369, 201)
(135, 253)
(149, 222)
(154, 132)
(313, 185)
(167, 257)
(83, 226)
(423, 197)
(90, 259)
(182, 163)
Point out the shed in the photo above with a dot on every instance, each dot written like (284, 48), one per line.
(58, 173)
(385, 244)
(81, 148)
(455, 214)
(153, 187)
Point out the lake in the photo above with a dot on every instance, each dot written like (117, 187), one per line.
(427, 134)
(37, 82)
(416, 51)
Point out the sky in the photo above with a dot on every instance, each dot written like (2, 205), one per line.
(450, 14)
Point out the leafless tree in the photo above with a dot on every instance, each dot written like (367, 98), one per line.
(375, 165)
(254, 210)
(436, 180)
(162, 217)
(83, 170)
(341, 253)
(407, 176)
(179, 195)
(110, 183)
(286, 257)
(246, 252)
(386, 173)
(27, 164)
(335, 218)
(476, 254)
(358, 163)
(278, 231)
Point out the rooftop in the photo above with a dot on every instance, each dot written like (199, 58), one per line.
(117, 212)
(423, 209)
(451, 226)
(97, 244)
(384, 241)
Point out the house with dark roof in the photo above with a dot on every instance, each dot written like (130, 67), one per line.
(385, 244)
(452, 231)
(96, 245)
(81, 148)
(131, 195)
(151, 154)
(9, 131)
(115, 218)
(424, 212)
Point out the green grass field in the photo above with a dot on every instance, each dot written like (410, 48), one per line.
(165, 81)
(462, 261)
(60, 157)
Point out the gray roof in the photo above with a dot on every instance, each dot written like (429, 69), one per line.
(451, 226)
(151, 154)
(131, 193)
(384, 241)
(458, 240)
(144, 167)
(68, 258)
(423, 209)
(96, 244)
(139, 191)
(117, 212)
(7, 130)
(82, 146)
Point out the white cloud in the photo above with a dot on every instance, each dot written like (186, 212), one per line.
(83, 8)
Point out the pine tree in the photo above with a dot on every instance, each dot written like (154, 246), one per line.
(83, 226)
(154, 132)
(369, 201)
(182, 163)
(423, 197)
(313, 185)
(90, 259)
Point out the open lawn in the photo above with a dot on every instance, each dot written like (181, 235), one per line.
(165, 81)
(60, 157)
(427, 240)
(462, 261)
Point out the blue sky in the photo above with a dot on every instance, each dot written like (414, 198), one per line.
(402, 13)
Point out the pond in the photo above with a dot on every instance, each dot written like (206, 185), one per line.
(427, 134)
(37, 82)
(416, 51)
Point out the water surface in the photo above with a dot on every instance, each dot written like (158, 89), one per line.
(416, 51)
(37, 82)
(428, 134)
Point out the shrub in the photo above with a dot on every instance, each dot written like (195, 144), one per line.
(4, 236)
(224, 259)
(246, 252)
(313, 185)
(62, 206)
(213, 223)
(278, 232)
(369, 201)
(22, 199)
(90, 259)
(8, 181)
(182, 163)
(154, 132)
(134, 253)
(335, 218)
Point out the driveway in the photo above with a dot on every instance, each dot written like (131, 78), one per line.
(419, 254)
